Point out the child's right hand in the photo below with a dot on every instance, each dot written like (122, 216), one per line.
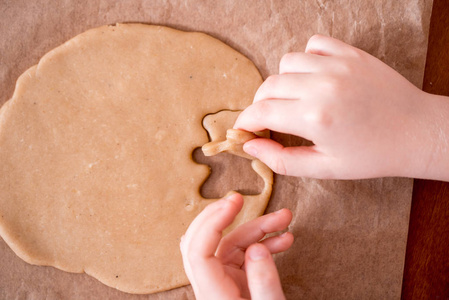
(364, 118)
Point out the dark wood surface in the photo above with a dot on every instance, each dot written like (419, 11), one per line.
(426, 272)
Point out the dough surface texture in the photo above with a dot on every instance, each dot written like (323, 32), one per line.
(96, 150)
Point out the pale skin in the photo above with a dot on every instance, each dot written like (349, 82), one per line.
(239, 265)
(365, 121)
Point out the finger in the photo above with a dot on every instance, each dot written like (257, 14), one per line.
(327, 46)
(204, 270)
(275, 244)
(285, 86)
(286, 116)
(294, 161)
(280, 243)
(205, 232)
(300, 62)
(253, 231)
(263, 277)
(197, 245)
(232, 246)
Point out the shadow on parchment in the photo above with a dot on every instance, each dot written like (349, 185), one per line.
(228, 173)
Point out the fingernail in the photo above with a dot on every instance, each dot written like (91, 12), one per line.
(278, 211)
(250, 150)
(258, 253)
(230, 195)
(223, 202)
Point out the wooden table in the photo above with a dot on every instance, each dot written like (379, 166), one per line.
(426, 273)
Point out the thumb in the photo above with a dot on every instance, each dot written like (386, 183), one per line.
(262, 275)
(294, 161)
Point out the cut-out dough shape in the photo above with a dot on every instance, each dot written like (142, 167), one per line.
(96, 150)
(223, 139)
(227, 140)
(233, 144)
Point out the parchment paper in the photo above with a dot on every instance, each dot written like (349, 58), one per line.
(350, 235)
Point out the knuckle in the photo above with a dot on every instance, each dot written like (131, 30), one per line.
(314, 39)
(287, 60)
(261, 109)
(345, 67)
(270, 85)
(322, 118)
(355, 52)
(332, 86)
(272, 82)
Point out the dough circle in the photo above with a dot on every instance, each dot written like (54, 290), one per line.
(96, 151)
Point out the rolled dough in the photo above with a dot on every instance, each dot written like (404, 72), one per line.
(96, 151)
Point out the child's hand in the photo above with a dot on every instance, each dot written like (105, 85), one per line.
(364, 119)
(239, 265)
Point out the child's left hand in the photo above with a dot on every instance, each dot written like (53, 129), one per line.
(238, 265)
